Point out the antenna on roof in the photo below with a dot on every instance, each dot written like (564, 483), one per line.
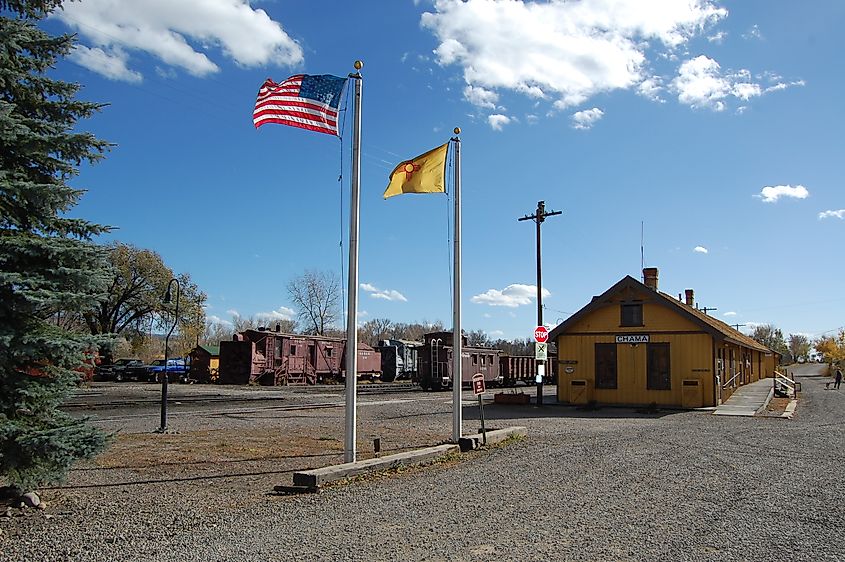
(642, 250)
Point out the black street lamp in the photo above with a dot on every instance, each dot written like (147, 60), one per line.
(164, 379)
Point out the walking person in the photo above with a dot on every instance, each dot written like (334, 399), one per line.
(837, 380)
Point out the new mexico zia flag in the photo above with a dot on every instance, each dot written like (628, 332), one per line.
(423, 174)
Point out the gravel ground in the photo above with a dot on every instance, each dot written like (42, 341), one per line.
(609, 484)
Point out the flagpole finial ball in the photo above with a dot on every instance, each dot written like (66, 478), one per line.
(457, 130)
(358, 65)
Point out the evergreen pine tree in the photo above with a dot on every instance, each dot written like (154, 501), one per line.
(47, 262)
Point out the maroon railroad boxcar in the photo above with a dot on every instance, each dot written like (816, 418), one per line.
(435, 362)
(275, 358)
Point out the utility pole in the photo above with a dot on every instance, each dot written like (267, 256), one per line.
(538, 217)
(737, 326)
(705, 309)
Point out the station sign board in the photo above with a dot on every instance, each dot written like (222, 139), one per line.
(632, 338)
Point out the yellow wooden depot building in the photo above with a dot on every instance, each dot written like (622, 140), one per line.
(635, 345)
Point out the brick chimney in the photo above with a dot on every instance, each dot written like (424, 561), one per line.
(650, 275)
(690, 297)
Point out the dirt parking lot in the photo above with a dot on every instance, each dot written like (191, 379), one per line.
(610, 484)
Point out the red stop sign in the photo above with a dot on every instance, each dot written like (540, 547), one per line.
(541, 334)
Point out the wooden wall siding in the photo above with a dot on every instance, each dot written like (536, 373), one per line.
(656, 317)
(691, 357)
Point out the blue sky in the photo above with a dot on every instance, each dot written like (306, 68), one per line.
(716, 124)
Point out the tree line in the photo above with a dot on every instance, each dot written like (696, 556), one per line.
(799, 347)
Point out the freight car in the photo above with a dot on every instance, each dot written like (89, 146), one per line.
(398, 359)
(523, 368)
(273, 358)
(435, 362)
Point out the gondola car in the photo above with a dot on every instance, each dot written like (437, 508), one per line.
(523, 368)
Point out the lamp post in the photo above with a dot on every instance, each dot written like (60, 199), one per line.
(164, 379)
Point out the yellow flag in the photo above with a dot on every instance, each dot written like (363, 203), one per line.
(423, 174)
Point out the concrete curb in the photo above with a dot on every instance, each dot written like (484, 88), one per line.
(790, 409)
(472, 442)
(766, 401)
(321, 476)
(311, 480)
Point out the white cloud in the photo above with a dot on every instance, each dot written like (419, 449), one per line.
(753, 33)
(217, 320)
(481, 97)
(496, 334)
(717, 37)
(587, 118)
(840, 214)
(388, 294)
(651, 87)
(233, 312)
(702, 84)
(111, 64)
(700, 250)
(731, 313)
(567, 51)
(497, 121)
(281, 313)
(511, 296)
(180, 34)
(784, 85)
(771, 193)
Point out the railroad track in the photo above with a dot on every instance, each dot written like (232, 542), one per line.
(364, 389)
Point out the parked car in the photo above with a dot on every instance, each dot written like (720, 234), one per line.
(176, 370)
(122, 370)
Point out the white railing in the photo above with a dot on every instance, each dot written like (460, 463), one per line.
(784, 380)
(732, 379)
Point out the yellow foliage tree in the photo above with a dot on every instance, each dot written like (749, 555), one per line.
(832, 348)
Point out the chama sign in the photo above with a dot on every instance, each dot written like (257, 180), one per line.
(632, 338)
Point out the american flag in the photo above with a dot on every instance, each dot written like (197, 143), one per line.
(309, 102)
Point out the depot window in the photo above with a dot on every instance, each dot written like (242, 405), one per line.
(606, 365)
(658, 376)
(631, 314)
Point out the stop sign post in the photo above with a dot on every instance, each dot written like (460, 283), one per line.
(541, 335)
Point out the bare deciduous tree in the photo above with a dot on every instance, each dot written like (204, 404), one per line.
(771, 337)
(374, 330)
(315, 295)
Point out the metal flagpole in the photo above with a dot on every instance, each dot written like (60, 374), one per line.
(350, 437)
(457, 347)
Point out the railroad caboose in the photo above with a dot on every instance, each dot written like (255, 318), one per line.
(435, 362)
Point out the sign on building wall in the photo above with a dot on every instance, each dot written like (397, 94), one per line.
(632, 338)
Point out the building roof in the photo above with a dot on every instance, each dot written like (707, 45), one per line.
(210, 349)
(710, 324)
